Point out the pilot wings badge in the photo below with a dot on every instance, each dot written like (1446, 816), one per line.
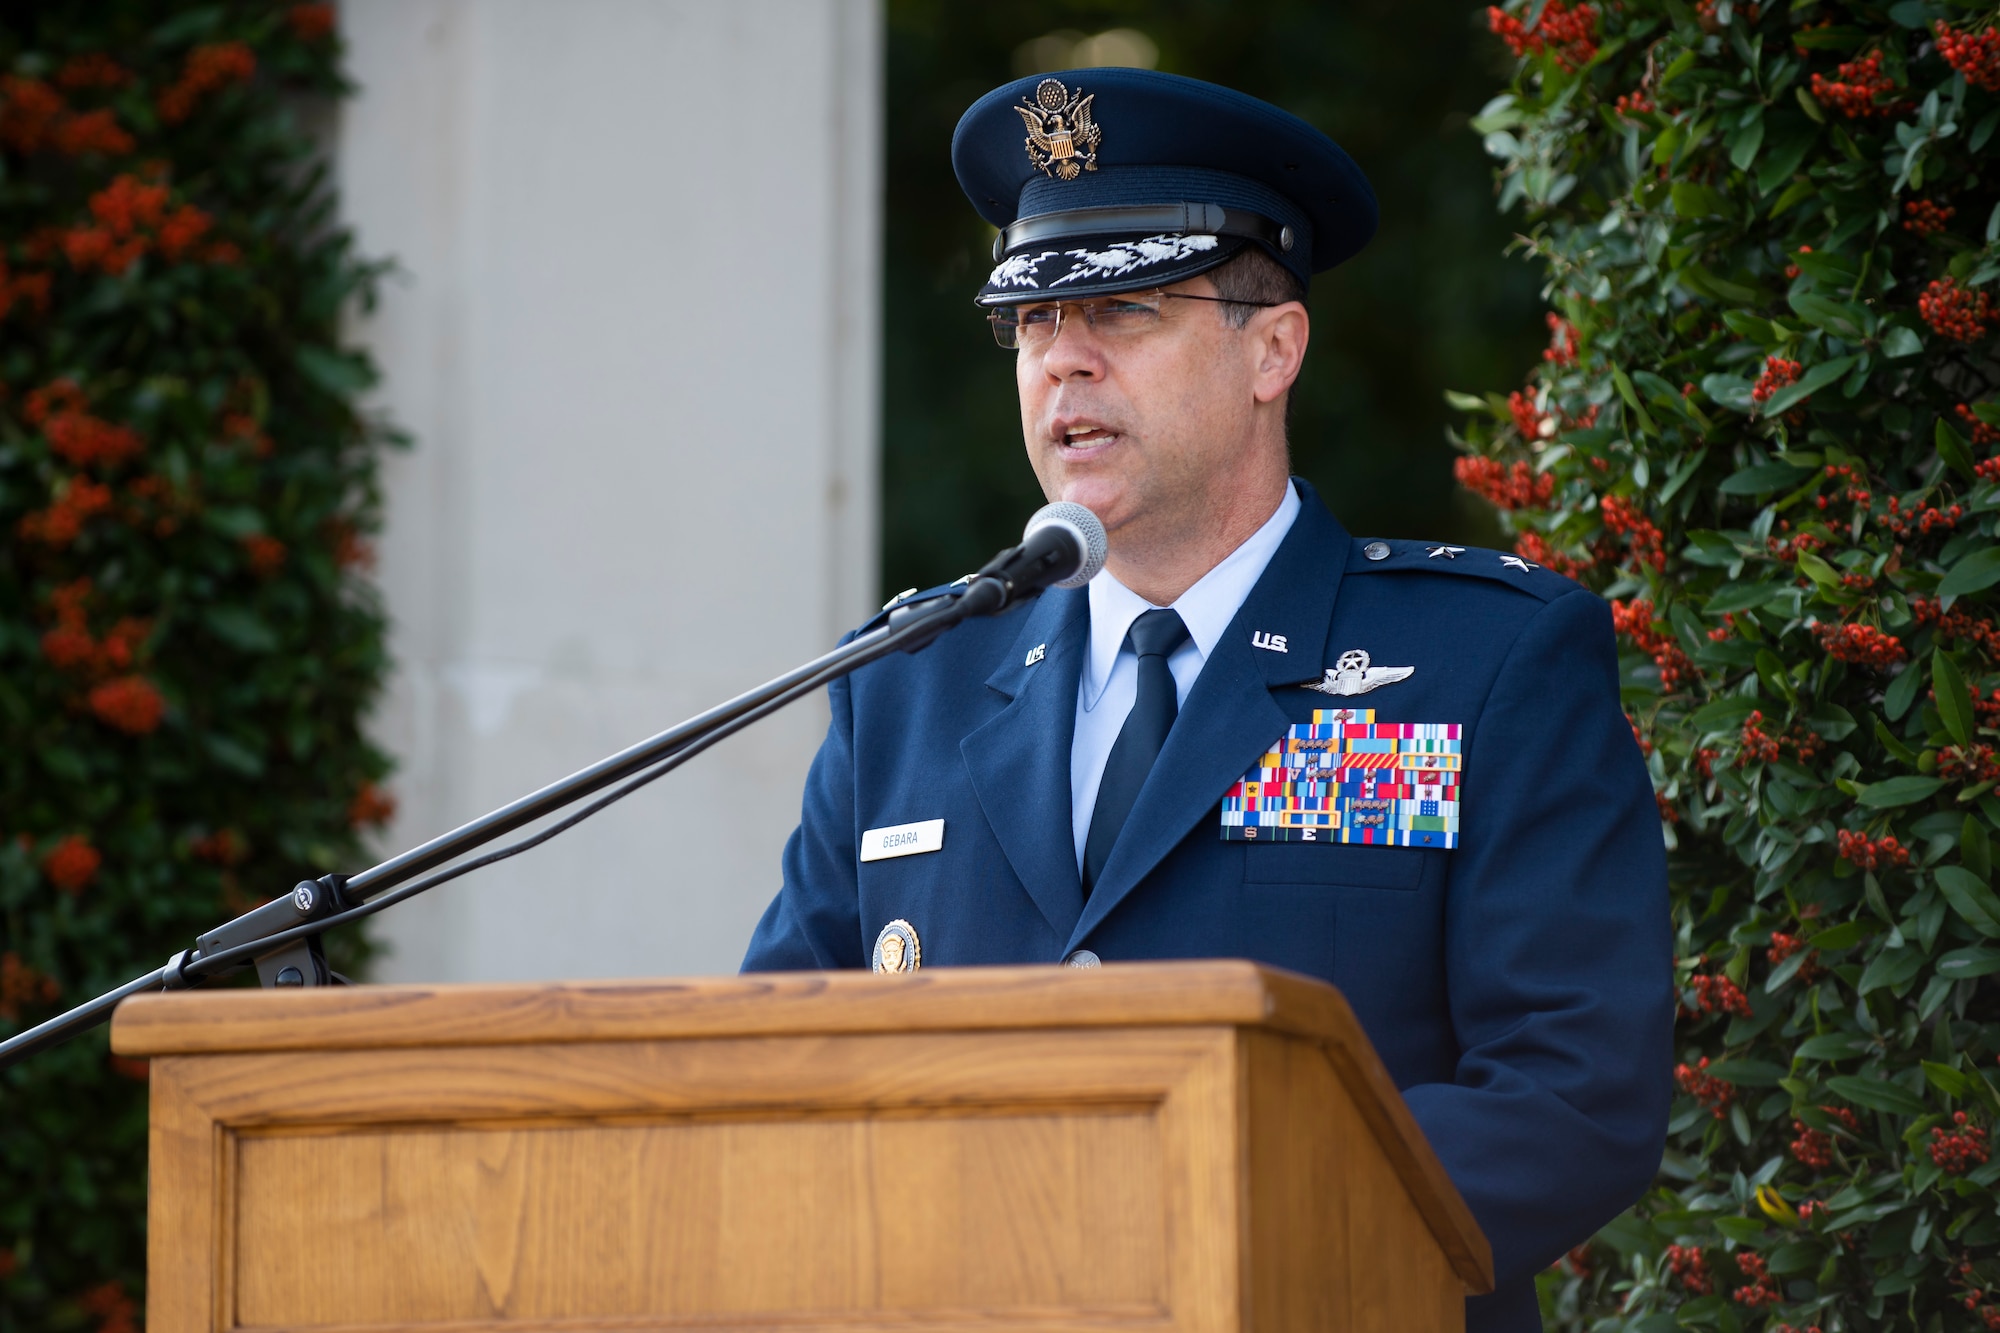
(1062, 138)
(1351, 674)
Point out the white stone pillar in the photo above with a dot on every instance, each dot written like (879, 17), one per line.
(634, 338)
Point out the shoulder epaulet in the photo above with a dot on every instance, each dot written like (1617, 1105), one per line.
(908, 597)
(1376, 555)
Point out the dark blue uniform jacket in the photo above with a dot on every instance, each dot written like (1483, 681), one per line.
(1518, 986)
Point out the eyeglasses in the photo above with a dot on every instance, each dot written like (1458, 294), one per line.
(1033, 328)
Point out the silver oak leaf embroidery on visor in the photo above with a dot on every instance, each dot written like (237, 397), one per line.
(1122, 259)
(1018, 270)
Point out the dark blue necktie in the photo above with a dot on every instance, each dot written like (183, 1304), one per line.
(1154, 636)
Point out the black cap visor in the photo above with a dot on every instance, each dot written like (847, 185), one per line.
(1088, 266)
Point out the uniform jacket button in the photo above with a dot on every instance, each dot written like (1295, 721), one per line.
(1376, 550)
(1083, 958)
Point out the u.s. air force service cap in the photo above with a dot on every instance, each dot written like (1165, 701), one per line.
(1119, 180)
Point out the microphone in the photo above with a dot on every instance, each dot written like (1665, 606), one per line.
(1063, 546)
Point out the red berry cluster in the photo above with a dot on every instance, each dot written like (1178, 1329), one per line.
(1690, 1266)
(1808, 1210)
(1961, 1149)
(1872, 855)
(1642, 536)
(1863, 645)
(1704, 11)
(1713, 1094)
(1534, 547)
(1792, 270)
(1926, 218)
(1634, 619)
(1755, 744)
(1976, 764)
(59, 410)
(1976, 55)
(1791, 548)
(1919, 521)
(20, 986)
(1957, 624)
(1635, 103)
(1717, 995)
(1762, 1288)
(1778, 373)
(1813, 1147)
(1855, 87)
(1954, 311)
(1562, 347)
(1854, 488)
(1784, 946)
(1722, 632)
(1516, 487)
(1981, 432)
(1965, 1280)
(72, 863)
(1568, 34)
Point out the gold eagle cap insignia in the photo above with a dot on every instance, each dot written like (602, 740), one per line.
(1062, 135)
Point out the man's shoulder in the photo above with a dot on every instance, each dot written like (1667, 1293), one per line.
(1476, 570)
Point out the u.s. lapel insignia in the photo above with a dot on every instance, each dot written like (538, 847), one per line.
(1036, 654)
(1351, 674)
(897, 949)
(1062, 137)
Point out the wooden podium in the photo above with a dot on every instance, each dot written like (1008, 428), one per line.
(1192, 1146)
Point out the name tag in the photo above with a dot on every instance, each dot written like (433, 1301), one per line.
(879, 844)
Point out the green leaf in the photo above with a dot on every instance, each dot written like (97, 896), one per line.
(1833, 1046)
(1722, 715)
(1952, 449)
(1976, 848)
(1748, 1073)
(241, 629)
(1698, 201)
(1877, 1094)
(1975, 573)
(1835, 316)
(1898, 341)
(339, 374)
(1947, 1080)
(1976, 961)
(1891, 967)
(1762, 479)
(1889, 794)
(1624, 386)
(1843, 936)
(1954, 703)
(1810, 383)
(1732, 597)
(1902, 692)
(1970, 898)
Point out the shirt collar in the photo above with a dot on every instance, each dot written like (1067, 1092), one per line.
(1206, 608)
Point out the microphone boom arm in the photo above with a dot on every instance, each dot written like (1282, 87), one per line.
(276, 931)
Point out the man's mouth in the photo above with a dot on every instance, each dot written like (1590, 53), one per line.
(1086, 436)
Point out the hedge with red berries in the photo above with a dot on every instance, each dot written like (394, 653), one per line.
(186, 488)
(1764, 430)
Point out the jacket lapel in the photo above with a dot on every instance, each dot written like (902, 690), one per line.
(1019, 760)
(1230, 718)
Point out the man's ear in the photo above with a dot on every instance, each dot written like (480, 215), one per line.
(1278, 341)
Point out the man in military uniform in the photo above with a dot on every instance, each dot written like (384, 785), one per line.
(1398, 766)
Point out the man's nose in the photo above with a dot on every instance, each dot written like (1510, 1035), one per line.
(1075, 352)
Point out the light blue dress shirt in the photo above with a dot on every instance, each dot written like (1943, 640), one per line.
(1110, 680)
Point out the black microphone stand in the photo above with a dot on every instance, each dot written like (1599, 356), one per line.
(282, 938)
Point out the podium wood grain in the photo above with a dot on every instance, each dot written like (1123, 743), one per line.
(1201, 1146)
